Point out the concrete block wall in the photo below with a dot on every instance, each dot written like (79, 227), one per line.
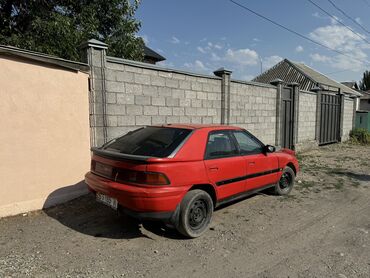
(347, 118)
(140, 95)
(253, 107)
(307, 117)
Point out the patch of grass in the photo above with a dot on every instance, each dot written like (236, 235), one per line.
(306, 184)
(339, 184)
(355, 183)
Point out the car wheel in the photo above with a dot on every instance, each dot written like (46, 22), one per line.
(286, 182)
(195, 213)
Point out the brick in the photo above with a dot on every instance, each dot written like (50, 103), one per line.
(172, 119)
(196, 120)
(185, 102)
(158, 101)
(143, 120)
(124, 76)
(201, 95)
(125, 99)
(207, 103)
(165, 111)
(196, 86)
(158, 120)
(134, 110)
(190, 94)
(112, 120)
(150, 110)
(183, 84)
(142, 79)
(113, 86)
(190, 111)
(126, 120)
(150, 90)
(111, 98)
(165, 74)
(158, 81)
(177, 93)
(172, 101)
(178, 111)
(134, 89)
(201, 111)
(142, 100)
(164, 92)
(196, 103)
(116, 109)
(211, 111)
(172, 83)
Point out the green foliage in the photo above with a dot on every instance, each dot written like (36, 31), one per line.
(365, 82)
(58, 27)
(360, 135)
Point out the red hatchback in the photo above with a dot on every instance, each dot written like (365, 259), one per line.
(180, 173)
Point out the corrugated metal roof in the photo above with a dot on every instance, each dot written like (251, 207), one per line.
(306, 77)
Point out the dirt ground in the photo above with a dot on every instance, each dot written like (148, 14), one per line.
(320, 230)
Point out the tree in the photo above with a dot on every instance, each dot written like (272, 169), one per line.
(58, 27)
(365, 82)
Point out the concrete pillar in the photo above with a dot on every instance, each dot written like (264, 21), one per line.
(93, 52)
(318, 91)
(355, 105)
(295, 89)
(341, 114)
(279, 87)
(225, 94)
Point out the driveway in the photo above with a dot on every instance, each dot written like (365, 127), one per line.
(320, 230)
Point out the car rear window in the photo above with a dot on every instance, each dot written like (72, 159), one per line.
(149, 141)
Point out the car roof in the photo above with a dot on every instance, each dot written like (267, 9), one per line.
(199, 126)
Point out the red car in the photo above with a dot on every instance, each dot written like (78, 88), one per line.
(179, 173)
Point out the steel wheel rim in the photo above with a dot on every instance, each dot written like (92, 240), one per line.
(198, 214)
(285, 181)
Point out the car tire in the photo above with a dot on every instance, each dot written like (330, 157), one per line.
(196, 211)
(286, 182)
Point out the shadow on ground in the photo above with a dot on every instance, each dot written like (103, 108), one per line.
(359, 177)
(89, 217)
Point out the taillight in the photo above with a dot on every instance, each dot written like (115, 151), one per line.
(139, 177)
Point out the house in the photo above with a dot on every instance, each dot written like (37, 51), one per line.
(365, 101)
(307, 78)
(335, 102)
(152, 57)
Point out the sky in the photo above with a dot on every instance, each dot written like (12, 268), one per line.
(203, 35)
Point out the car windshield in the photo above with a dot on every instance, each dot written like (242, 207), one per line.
(149, 141)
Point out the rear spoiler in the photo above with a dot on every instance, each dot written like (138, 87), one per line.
(119, 156)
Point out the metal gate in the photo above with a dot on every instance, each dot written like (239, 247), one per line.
(286, 118)
(330, 119)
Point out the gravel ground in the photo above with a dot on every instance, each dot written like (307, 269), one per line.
(320, 230)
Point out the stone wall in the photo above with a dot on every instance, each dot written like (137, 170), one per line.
(138, 95)
(125, 95)
(253, 107)
(347, 118)
(307, 117)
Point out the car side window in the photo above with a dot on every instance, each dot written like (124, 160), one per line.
(220, 144)
(247, 143)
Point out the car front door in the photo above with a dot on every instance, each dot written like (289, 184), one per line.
(262, 168)
(225, 167)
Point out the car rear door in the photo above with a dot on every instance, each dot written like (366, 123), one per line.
(261, 167)
(224, 166)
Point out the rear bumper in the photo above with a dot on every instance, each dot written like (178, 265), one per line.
(154, 202)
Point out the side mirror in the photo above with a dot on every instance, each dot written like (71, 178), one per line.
(270, 149)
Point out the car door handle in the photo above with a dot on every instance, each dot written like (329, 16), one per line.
(214, 168)
(252, 163)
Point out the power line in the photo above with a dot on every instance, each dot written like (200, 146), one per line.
(349, 17)
(295, 32)
(340, 22)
